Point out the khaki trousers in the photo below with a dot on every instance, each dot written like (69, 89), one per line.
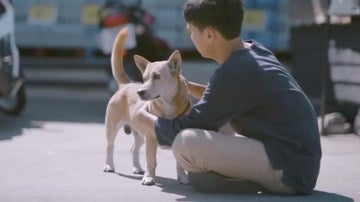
(233, 156)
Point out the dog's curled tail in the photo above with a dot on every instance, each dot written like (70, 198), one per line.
(117, 55)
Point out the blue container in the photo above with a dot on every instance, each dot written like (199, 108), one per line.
(268, 4)
(267, 23)
(247, 34)
(272, 21)
(249, 4)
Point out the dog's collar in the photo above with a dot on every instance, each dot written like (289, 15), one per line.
(187, 108)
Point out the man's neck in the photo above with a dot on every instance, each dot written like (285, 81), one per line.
(225, 48)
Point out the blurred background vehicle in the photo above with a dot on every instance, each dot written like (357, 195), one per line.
(114, 15)
(12, 90)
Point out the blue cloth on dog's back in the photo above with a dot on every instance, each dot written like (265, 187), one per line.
(259, 98)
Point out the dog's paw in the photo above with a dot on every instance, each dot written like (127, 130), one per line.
(108, 169)
(138, 171)
(183, 179)
(148, 181)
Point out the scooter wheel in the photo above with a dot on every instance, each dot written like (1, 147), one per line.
(14, 105)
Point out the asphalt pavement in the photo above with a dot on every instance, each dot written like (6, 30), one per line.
(55, 151)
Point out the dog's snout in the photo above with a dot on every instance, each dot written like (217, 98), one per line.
(141, 93)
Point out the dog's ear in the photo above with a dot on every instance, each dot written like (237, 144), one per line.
(175, 62)
(141, 62)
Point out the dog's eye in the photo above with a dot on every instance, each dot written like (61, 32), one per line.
(156, 76)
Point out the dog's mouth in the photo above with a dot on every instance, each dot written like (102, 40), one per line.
(145, 95)
(146, 98)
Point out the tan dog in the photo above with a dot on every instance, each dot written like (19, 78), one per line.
(163, 94)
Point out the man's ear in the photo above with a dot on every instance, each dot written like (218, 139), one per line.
(210, 33)
(174, 62)
(141, 63)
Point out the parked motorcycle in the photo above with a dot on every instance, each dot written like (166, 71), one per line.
(114, 15)
(12, 90)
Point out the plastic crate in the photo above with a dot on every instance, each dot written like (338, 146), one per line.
(269, 4)
(168, 19)
(266, 22)
(161, 4)
(57, 23)
(263, 4)
(69, 30)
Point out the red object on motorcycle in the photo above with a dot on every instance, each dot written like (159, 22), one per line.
(115, 20)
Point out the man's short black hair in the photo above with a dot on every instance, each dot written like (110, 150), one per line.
(225, 16)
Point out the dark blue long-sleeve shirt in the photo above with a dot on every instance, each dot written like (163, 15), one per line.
(259, 98)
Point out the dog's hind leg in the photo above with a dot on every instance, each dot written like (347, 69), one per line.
(109, 166)
(138, 142)
(112, 128)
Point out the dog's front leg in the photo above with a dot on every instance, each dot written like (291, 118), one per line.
(150, 149)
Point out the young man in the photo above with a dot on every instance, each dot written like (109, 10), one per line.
(278, 148)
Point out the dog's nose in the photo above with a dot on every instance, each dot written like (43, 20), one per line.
(141, 93)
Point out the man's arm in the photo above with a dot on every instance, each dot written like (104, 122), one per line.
(217, 104)
(155, 128)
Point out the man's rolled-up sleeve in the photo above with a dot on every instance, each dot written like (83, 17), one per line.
(166, 130)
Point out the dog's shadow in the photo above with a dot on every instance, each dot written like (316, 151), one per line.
(133, 177)
(162, 182)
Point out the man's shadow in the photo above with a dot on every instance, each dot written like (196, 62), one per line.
(187, 193)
